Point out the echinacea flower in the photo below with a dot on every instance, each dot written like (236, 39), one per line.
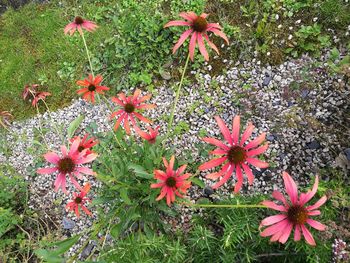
(40, 96)
(91, 85)
(199, 27)
(79, 24)
(5, 118)
(151, 136)
(130, 105)
(79, 200)
(172, 182)
(85, 144)
(236, 154)
(295, 214)
(68, 164)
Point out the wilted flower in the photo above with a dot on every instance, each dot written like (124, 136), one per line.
(79, 200)
(68, 164)
(85, 144)
(295, 214)
(199, 27)
(236, 154)
(91, 85)
(79, 24)
(5, 118)
(130, 105)
(32, 91)
(172, 182)
(151, 136)
(40, 96)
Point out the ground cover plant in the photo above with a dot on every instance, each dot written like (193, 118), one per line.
(136, 193)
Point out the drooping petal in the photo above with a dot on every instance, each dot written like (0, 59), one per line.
(307, 235)
(286, 233)
(315, 224)
(291, 188)
(217, 143)
(274, 206)
(201, 46)
(192, 45)
(257, 163)
(249, 173)
(224, 130)
(177, 23)
(182, 39)
(255, 143)
(297, 233)
(212, 163)
(273, 219)
(239, 175)
(211, 44)
(219, 33)
(225, 178)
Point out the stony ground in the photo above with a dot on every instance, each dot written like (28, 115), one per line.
(303, 108)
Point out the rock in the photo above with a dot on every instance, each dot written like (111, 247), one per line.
(313, 145)
(165, 75)
(208, 191)
(68, 223)
(270, 137)
(267, 80)
(304, 93)
(87, 250)
(347, 153)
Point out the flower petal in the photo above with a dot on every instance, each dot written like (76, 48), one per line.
(212, 163)
(201, 46)
(273, 219)
(274, 228)
(255, 143)
(286, 233)
(274, 206)
(47, 170)
(257, 163)
(291, 188)
(239, 175)
(235, 128)
(52, 157)
(247, 133)
(192, 45)
(308, 237)
(315, 224)
(216, 142)
(224, 130)
(225, 178)
(177, 23)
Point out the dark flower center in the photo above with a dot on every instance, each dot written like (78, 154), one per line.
(129, 108)
(200, 24)
(152, 140)
(66, 165)
(91, 87)
(78, 200)
(78, 20)
(81, 148)
(297, 214)
(237, 155)
(171, 182)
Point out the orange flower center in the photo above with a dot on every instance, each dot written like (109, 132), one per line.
(171, 181)
(237, 155)
(78, 200)
(78, 20)
(129, 108)
(91, 87)
(199, 24)
(297, 215)
(66, 165)
(81, 148)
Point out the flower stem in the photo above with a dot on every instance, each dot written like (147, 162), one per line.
(177, 98)
(222, 206)
(88, 54)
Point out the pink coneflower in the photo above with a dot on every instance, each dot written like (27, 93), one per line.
(151, 136)
(199, 27)
(5, 118)
(85, 144)
(171, 182)
(68, 165)
(294, 214)
(80, 24)
(91, 85)
(79, 200)
(235, 155)
(130, 105)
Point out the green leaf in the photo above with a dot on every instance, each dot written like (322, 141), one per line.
(48, 256)
(198, 182)
(140, 171)
(73, 126)
(124, 196)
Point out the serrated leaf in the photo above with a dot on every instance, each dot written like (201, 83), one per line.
(124, 196)
(73, 126)
(140, 171)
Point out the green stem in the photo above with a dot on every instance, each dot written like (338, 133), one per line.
(88, 54)
(177, 98)
(54, 123)
(222, 206)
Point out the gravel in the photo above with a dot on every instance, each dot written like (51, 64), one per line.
(302, 108)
